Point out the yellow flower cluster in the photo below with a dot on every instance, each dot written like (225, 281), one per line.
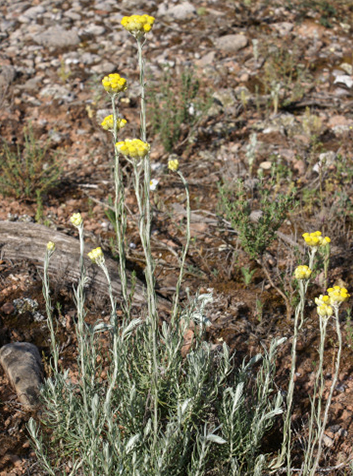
(315, 239)
(325, 304)
(134, 148)
(338, 295)
(322, 300)
(138, 25)
(76, 219)
(51, 246)
(325, 311)
(114, 83)
(302, 272)
(173, 165)
(108, 123)
(96, 256)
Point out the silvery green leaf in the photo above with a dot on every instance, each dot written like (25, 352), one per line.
(185, 405)
(132, 442)
(102, 326)
(165, 329)
(280, 341)
(215, 439)
(254, 359)
(148, 427)
(128, 330)
(237, 395)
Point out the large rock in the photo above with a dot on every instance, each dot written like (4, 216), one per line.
(57, 37)
(231, 43)
(23, 366)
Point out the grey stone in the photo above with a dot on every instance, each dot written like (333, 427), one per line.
(7, 75)
(57, 37)
(73, 15)
(23, 367)
(283, 28)
(206, 59)
(89, 58)
(54, 90)
(183, 11)
(94, 30)
(104, 68)
(225, 97)
(31, 14)
(231, 43)
(344, 79)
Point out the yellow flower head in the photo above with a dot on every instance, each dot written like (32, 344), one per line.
(173, 165)
(302, 272)
(96, 256)
(134, 148)
(76, 219)
(51, 246)
(325, 310)
(108, 123)
(114, 83)
(138, 25)
(315, 239)
(322, 300)
(338, 295)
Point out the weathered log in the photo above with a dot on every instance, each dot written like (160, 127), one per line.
(28, 241)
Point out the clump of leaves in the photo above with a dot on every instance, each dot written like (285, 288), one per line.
(175, 108)
(29, 171)
(258, 230)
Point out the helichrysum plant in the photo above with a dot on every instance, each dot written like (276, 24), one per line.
(327, 308)
(158, 412)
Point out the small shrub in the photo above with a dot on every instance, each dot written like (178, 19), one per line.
(176, 108)
(255, 234)
(30, 171)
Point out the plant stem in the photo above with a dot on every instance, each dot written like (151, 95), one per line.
(333, 385)
(120, 214)
(48, 308)
(280, 292)
(145, 235)
(315, 415)
(186, 248)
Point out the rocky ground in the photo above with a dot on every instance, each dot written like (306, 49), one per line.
(280, 70)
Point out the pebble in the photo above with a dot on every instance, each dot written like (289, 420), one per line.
(184, 11)
(231, 43)
(57, 37)
(283, 28)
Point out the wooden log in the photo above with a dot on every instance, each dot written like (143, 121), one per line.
(19, 240)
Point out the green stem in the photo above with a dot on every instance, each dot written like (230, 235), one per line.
(145, 235)
(48, 308)
(81, 334)
(140, 43)
(333, 386)
(186, 248)
(315, 412)
(120, 214)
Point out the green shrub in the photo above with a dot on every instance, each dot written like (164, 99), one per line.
(31, 170)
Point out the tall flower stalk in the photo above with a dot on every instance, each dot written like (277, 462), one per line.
(114, 84)
(326, 307)
(48, 305)
(173, 165)
(302, 274)
(138, 153)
